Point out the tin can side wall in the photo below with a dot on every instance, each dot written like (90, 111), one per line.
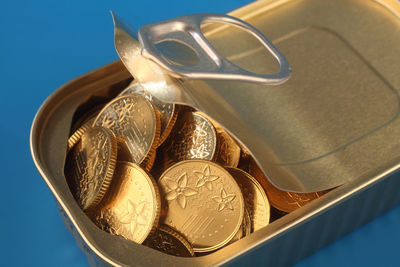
(92, 259)
(326, 227)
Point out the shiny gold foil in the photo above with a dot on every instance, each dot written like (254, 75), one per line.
(134, 118)
(204, 203)
(131, 208)
(90, 165)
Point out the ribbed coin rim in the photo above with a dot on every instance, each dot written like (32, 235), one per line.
(256, 183)
(156, 129)
(156, 196)
(110, 167)
(148, 161)
(76, 136)
(177, 235)
(240, 221)
(170, 123)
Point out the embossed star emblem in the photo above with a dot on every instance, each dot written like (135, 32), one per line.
(179, 190)
(224, 201)
(299, 199)
(134, 215)
(205, 178)
(124, 111)
(198, 152)
(199, 130)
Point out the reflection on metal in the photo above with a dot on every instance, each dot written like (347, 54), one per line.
(210, 65)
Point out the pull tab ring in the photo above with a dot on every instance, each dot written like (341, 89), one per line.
(210, 64)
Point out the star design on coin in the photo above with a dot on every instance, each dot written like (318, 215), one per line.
(299, 198)
(124, 111)
(134, 215)
(179, 190)
(199, 130)
(224, 201)
(199, 152)
(205, 177)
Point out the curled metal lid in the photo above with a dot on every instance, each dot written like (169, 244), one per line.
(176, 63)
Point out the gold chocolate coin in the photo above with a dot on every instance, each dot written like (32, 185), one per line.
(168, 111)
(134, 118)
(204, 202)
(76, 136)
(194, 137)
(228, 150)
(283, 200)
(91, 166)
(244, 161)
(245, 228)
(255, 198)
(169, 241)
(123, 151)
(131, 207)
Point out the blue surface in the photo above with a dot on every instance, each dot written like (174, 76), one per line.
(45, 44)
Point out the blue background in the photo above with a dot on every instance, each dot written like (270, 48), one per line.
(45, 44)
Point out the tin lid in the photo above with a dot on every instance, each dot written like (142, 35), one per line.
(300, 131)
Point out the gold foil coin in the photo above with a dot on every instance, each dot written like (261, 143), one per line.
(168, 113)
(134, 118)
(123, 153)
(76, 136)
(283, 200)
(204, 202)
(228, 150)
(256, 200)
(194, 137)
(245, 228)
(244, 161)
(91, 166)
(131, 207)
(169, 241)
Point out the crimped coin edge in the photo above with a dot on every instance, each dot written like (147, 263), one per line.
(76, 136)
(177, 235)
(110, 169)
(257, 184)
(156, 196)
(237, 227)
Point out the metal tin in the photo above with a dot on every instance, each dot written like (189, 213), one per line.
(345, 57)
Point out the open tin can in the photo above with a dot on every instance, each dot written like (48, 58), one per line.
(334, 123)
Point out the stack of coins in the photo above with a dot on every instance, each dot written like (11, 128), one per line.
(169, 177)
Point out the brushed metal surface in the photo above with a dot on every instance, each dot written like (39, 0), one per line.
(337, 117)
